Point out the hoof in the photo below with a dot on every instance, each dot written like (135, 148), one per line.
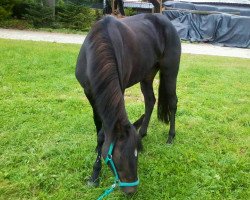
(143, 135)
(92, 183)
(170, 140)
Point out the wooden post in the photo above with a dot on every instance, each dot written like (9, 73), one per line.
(161, 6)
(156, 4)
(113, 6)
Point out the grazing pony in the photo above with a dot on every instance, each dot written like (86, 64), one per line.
(115, 55)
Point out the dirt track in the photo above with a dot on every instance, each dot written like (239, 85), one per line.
(205, 49)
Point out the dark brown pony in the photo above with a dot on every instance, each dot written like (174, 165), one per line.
(115, 55)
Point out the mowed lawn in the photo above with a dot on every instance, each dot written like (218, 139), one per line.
(47, 135)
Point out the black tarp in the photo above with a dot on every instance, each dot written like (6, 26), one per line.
(221, 29)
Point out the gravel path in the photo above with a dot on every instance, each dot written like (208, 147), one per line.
(205, 49)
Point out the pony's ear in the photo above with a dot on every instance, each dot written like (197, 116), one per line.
(137, 124)
(121, 131)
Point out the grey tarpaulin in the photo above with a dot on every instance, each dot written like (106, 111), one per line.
(222, 29)
(243, 10)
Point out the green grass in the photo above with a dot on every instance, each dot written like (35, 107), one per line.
(61, 30)
(47, 135)
(25, 25)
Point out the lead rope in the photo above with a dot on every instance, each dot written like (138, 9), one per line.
(107, 192)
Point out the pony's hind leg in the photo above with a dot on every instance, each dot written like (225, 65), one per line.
(172, 108)
(94, 179)
(167, 101)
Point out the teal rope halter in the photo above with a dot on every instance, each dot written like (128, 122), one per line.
(117, 181)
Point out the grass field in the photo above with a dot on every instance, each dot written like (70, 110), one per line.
(47, 136)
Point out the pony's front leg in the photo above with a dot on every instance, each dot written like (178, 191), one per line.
(149, 98)
(137, 124)
(94, 179)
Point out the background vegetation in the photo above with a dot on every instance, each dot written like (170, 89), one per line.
(47, 135)
(74, 14)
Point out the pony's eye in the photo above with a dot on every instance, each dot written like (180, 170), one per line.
(135, 152)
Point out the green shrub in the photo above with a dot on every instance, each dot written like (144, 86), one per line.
(76, 17)
(15, 24)
(40, 16)
(6, 8)
(98, 14)
(37, 15)
(129, 11)
(4, 13)
(20, 10)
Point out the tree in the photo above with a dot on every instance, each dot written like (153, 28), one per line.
(51, 4)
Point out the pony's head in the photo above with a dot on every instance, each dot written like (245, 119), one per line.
(127, 144)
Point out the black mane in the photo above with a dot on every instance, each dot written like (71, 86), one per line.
(104, 77)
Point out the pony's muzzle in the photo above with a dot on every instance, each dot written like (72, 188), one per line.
(129, 190)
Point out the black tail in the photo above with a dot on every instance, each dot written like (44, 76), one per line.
(163, 111)
(169, 67)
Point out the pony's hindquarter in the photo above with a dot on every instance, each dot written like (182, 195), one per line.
(169, 67)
